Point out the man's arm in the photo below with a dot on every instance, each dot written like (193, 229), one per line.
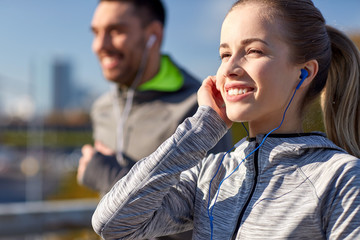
(99, 169)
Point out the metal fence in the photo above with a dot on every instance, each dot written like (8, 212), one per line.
(49, 216)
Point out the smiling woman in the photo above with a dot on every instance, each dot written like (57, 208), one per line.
(41, 31)
(276, 58)
(252, 58)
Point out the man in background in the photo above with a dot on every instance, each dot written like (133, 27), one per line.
(153, 95)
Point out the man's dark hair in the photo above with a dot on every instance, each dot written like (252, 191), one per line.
(149, 10)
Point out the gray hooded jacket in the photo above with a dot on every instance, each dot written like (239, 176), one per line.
(293, 187)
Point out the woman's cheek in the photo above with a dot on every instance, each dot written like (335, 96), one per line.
(219, 79)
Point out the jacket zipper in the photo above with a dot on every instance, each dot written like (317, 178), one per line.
(256, 166)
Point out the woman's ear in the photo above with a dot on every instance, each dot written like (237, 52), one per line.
(311, 69)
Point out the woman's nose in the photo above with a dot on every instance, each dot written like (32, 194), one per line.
(233, 68)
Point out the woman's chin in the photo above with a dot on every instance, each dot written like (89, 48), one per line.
(235, 116)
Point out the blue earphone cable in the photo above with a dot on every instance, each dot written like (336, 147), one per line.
(210, 209)
(247, 132)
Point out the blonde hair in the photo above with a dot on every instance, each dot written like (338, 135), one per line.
(340, 100)
(339, 66)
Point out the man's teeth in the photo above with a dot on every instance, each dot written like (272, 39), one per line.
(108, 60)
(236, 91)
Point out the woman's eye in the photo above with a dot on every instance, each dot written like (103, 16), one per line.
(254, 51)
(224, 56)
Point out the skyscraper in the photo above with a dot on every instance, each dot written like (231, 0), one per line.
(51, 84)
(62, 84)
(41, 85)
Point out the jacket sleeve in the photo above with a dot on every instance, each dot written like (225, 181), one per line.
(157, 196)
(223, 145)
(103, 172)
(342, 209)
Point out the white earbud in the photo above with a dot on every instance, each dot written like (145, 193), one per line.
(151, 41)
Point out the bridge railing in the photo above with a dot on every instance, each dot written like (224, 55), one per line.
(47, 216)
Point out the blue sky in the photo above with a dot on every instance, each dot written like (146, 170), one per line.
(43, 29)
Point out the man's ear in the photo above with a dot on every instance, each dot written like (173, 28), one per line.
(156, 29)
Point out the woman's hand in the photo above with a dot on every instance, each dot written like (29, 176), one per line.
(209, 95)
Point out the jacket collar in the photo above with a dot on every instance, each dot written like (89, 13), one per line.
(284, 151)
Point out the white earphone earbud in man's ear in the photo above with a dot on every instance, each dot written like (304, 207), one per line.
(151, 41)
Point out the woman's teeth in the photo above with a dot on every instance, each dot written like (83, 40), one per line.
(236, 91)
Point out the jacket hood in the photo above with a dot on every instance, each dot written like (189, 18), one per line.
(283, 151)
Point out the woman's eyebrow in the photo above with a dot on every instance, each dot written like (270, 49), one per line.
(251, 40)
(223, 45)
(245, 42)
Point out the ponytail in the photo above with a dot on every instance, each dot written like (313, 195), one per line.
(341, 98)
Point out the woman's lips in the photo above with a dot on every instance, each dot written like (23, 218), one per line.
(238, 93)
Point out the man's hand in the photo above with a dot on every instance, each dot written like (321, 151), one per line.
(104, 150)
(87, 153)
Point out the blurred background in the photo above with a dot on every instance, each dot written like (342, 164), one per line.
(48, 80)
